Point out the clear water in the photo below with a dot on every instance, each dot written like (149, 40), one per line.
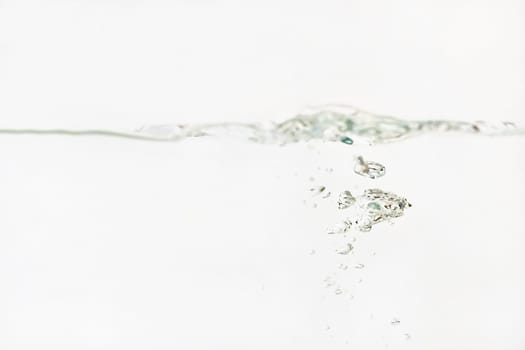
(349, 193)
(336, 123)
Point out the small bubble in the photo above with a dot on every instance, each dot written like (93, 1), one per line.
(346, 199)
(347, 140)
(341, 227)
(338, 291)
(346, 249)
(317, 190)
(368, 169)
(359, 266)
(373, 206)
(329, 282)
(365, 227)
(395, 322)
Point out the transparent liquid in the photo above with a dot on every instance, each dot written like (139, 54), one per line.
(223, 243)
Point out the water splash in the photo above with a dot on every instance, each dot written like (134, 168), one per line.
(332, 123)
(349, 124)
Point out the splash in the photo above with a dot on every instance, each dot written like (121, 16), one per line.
(332, 123)
(340, 123)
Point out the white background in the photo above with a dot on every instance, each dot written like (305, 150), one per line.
(111, 244)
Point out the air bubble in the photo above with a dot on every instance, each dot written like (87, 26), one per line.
(317, 190)
(346, 249)
(347, 140)
(343, 267)
(372, 170)
(346, 200)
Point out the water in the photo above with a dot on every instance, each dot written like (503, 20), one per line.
(335, 123)
(356, 206)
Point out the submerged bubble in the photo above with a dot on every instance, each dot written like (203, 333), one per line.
(359, 266)
(389, 203)
(343, 267)
(372, 207)
(317, 190)
(364, 224)
(346, 249)
(376, 206)
(369, 169)
(346, 199)
(347, 140)
(341, 227)
(329, 282)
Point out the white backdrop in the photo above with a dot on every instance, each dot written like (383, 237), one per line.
(112, 244)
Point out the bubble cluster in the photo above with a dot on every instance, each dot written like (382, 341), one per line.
(370, 208)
